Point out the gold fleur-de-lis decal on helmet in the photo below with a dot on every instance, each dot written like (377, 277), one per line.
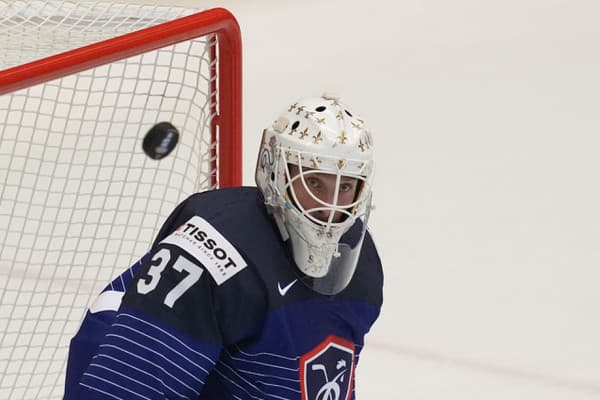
(317, 138)
(309, 114)
(365, 136)
(304, 133)
(288, 155)
(339, 115)
(314, 162)
(300, 109)
(362, 146)
(342, 138)
(340, 164)
(320, 120)
(292, 107)
(356, 125)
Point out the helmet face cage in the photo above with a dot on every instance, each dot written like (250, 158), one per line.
(349, 212)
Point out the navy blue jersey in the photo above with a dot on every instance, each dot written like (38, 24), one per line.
(215, 310)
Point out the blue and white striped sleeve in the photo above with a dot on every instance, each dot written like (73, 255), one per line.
(97, 321)
(141, 358)
(164, 340)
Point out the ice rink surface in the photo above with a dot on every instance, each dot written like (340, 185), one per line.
(487, 126)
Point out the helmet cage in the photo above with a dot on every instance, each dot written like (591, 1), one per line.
(284, 190)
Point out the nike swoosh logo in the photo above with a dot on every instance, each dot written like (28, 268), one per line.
(284, 290)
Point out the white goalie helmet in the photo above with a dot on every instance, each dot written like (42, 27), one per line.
(319, 140)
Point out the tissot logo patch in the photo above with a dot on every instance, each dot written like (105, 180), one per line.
(326, 372)
(202, 241)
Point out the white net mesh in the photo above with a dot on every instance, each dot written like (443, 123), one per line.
(58, 26)
(79, 199)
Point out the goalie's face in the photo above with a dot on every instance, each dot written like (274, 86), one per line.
(319, 194)
(326, 216)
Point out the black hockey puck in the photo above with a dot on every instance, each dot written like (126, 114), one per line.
(160, 140)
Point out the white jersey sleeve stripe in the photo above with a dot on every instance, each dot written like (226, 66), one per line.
(168, 335)
(154, 367)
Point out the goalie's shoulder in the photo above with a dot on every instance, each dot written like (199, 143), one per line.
(238, 214)
(223, 230)
(199, 276)
(236, 200)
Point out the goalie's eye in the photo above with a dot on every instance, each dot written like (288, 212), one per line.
(346, 187)
(313, 183)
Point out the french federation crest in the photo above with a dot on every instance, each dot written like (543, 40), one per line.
(327, 371)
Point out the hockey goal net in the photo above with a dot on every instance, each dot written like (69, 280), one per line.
(81, 84)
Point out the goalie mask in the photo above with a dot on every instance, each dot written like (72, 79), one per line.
(315, 171)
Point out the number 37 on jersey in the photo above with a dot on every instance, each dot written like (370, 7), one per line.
(201, 241)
